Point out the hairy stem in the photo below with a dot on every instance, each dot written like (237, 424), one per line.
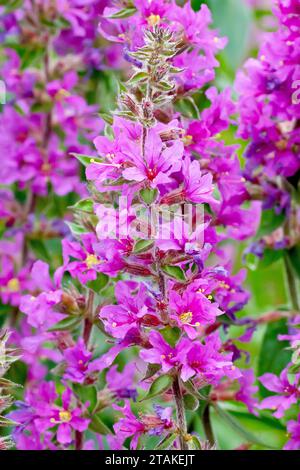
(88, 320)
(206, 421)
(87, 329)
(78, 440)
(291, 285)
(180, 412)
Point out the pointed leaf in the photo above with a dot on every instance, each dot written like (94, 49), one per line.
(159, 386)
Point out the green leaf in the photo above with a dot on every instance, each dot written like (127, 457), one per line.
(167, 442)
(39, 249)
(98, 426)
(170, 335)
(99, 283)
(7, 384)
(190, 387)
(86, 394)
(188, 108)
(67, 324)
(76, 229)
(84, 205)
(151, 370)
(190, 402)
(6, 422)
(267, 429)
(234, 20)
(148, 195)
(273, 354)
(159, 386)
(294, 257)
(270, 257)
(294, 369)
(137, 77)
(236, 426)
(270, 221)
(194, 443)
(175, 272)
(125, 13)
(85, 159)
(11, 5)
(108, 118)
(142, 246)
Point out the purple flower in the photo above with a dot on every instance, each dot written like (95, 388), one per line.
(86, 262)
(40, 310)
(293, 428)
(247, 390)
(121, 383)
(134, 308)
(192, 309)
(40, 413)
(79, 363)
(286, 393)
(206, 362)
(157, 165)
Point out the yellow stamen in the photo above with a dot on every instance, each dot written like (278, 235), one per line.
(91, 261)
(187, 139)
(186, 317)
(153, 20)
(13, 285)
(65, 416)
(46, 167)
(281, 144)
(61, 94)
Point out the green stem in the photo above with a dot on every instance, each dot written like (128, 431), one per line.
(291, 285)
(206, 421)
(180, 412)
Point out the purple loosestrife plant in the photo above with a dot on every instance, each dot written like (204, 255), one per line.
(269, 118)
(166, 303)
(144, 277)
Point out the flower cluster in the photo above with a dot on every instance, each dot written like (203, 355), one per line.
(269, 114)
(269, 119)
(118, 270)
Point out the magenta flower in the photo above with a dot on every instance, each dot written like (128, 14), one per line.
(12, 283)
(67, 418)
(158, 163)
(162, 353)
(121, 383)
(286, 393)
(247, 390)
(40, 310)
(134, 308)
(207, 362)
(128, 426)
(79, 364)
(131, 426)
(293, 428)
(192, 309)
(86, 262)
(40, 413)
